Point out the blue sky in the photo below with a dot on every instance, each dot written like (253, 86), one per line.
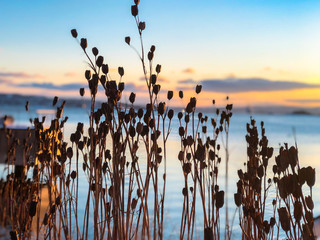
(198, 40)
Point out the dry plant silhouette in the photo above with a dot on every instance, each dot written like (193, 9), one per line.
(123, 154)
(292, 210)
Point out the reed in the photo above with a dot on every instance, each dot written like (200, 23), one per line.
(199, 157)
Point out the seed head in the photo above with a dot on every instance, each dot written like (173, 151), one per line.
(99, 61)
(127, 40)
(74, 33)
(134, 10)
(180, 94)
(95, 51)
(142, 26)
(81, 92)
(105, 68)
(158, 68)
(150, 56)
(87, 74)
(170, 114)
(55, 100)
(198, 89)
(83, 43)
(132, 97)
(121, 71)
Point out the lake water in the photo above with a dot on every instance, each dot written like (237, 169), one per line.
(279, 130)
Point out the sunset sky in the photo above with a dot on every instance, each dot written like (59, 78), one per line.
(257, 52)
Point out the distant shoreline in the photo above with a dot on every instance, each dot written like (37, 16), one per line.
(46, 103)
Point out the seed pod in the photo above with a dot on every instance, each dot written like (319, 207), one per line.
(55, 100)
(220, 199)
(269, 152)
(272, 221)
(95, 51)
(83, 43)
(127, 40)
(33, 209)
(156, 89)
(69, 152)
(99, 61)
(237, 199)
(204, 129)
(73, 174)
(142, 26)
(74, 33)
(186, 168)
(208, 233)
(87, 75)
(134, 10)
(103, 79)
(284, 218)
(150, 56)
(229, 107)
(105, 68)
(189, 108)
(180, 94)
(184, 191)
(161, 108)
(132, 97)
(260, 171)
(211, 155)
(153, 79)
(186, 118)
(140, 113)
(170, 95)
(310, 176)
(265, 225)
(275, 169)
(132, 131)
(45, 219)
(158, 68)
(121, 86)
(170, 114)
(180, 115)
(81, 92)
(282, 187)
(293, 156)
(152, 48)
(297, 211)
(134, 203)
(181, 131)
(198, 89)
(121, 71)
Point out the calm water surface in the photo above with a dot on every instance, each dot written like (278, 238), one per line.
(280, 129)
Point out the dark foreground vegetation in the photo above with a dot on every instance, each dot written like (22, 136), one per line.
(123, 154)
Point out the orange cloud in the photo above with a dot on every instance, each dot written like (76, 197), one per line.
(188, 70)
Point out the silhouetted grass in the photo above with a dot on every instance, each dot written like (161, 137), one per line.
(126, 194)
